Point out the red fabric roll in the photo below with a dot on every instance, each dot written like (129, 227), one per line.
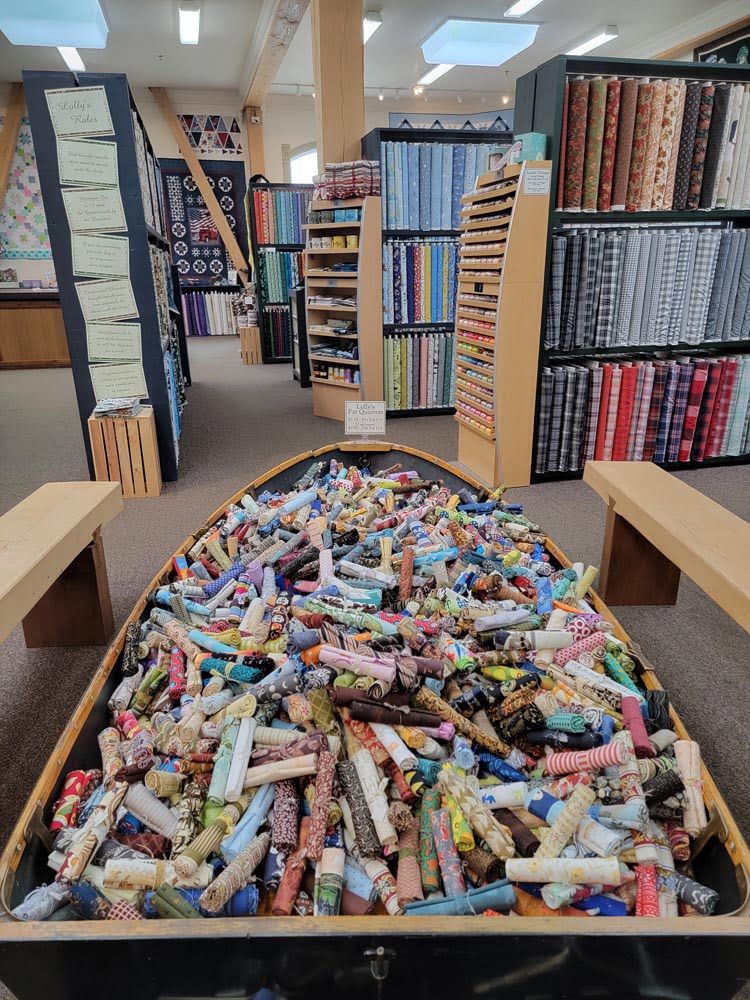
(631, 715)
(575, 149)
(625, 126)
(563, 145)
(640, 146)
(647, 900)
(607, 170)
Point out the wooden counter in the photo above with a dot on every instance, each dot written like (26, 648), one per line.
(32, 332)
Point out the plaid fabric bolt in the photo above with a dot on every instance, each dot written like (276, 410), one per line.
(736, 429)
(628, 276)
(741, 316)
(555, 292)
(682, 394)
(639, 290)
(721, 409)
(665, 416)
(570, 287)
(581, 377)
(596, 263)
(703, 426)
(555, 424)
(608, 289)
(544, 418)
(641, 426)
(695, 397)
(637, 396)
(654, 411)
(706, 253)
(651, 306)
(581, 291)
(592, 412)
(567, 418)
(683, 267)
(736, 250)
(660, 315)
(716, 288)
(614, 400)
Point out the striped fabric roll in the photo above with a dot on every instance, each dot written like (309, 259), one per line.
(571, 761)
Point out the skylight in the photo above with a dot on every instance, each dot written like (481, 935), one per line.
(477, 42)
(58, 23)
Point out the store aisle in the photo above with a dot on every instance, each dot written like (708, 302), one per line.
(240, 422)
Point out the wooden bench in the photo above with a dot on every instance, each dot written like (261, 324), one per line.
(54, 577)
(657, 527)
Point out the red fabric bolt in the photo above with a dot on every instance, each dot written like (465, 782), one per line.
(631, 714)
(647, 900)
(319, 813)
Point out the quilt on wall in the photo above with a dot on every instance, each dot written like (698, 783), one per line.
(197, 249)
(23, 224)
(213, 133)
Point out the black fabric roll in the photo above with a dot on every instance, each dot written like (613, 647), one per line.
(657, 704)
(662, 786)
(714, 147)
(564, 741)
(525, 841)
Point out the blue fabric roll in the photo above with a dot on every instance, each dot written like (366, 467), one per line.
(425, 169)
(436, 180)
(459, 157)
(499, 769)
(413, 154)
(447, 199)
(496, 896)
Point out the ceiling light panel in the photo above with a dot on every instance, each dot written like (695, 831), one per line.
(521, 7)
(599, 36)
(190, 22)
(57, 23)
(72, 59)
(477, 42)
(435, 73)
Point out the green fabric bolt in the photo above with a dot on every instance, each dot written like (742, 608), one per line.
(428, 859)
(567, 722)
(617, 673)
(170, 905)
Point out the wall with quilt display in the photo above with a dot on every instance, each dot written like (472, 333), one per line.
(197, 249)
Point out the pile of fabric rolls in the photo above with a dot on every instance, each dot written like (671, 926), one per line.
(370, 695)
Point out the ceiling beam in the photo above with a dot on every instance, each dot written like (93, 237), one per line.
(9, 134)
(280, 25)
(188, 154)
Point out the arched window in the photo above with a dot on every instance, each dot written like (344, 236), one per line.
(301, 164)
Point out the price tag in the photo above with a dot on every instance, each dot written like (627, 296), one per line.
(364, 417)
(536, 180)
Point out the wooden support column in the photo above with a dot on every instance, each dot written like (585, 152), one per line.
(230, 242)
(9, 135)
(255, 151)
(338, 70)
(632, 570)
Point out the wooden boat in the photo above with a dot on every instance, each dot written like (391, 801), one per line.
(334, 957)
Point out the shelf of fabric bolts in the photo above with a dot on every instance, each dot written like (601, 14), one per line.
(416, 233)
(562, 216)
(544, 477)
(424, 327)
(720, 346)
(427, 411)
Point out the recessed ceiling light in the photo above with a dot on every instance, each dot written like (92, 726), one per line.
(521, 7)
(370, 24)
(57, 23)
(598, 37)
(435, 73)
(190, 22)
(72, 58)
(476, 42)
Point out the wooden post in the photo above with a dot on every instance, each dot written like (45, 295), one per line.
(632, 570)
(255, 151)
(9, 135)
(338, 71)
(230, 242)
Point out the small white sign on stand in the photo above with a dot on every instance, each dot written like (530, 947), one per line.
(365, 420)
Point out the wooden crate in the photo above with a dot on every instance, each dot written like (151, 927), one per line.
(125, 450)
(250, 345)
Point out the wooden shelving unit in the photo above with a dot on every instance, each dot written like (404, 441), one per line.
(364, 284)
(500, 281)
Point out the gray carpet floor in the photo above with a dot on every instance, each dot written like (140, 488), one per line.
(240, 422)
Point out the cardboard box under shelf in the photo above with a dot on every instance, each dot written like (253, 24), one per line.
(250, 351)
(125, 450)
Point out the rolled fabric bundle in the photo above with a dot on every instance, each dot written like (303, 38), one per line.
(579, 871)
(429, 700)
(285, 816)
(463, 838)
(568, 722)
(391, 715)
(231, 670)
(662, 739)
(568, 761)
(322, 711)
(395, 746)
(164, 783)
(489, 623)
(428, 858)
(700, 897)
(329, 882)
(595, 643)
(631, 716)
(448, 859)
(42, 902)
(484, 864)
(385, 885)
(207, 841)
(371, 666)
(151, 845)
(373, 789)
(647, 900)
(688, 756)
(188, 818)
(525, 840)
(657, 701)
(307, 744)
(149, 873)
(559, 894)
(499, 768)
(528, 905)
(66, 807)
(428, 769)
(564, 825)
(662, 786)
(366, 837)
(236, 875)
(319, 816)
(88, 902)
(294, 869)
(508, 796)
(496, 836)
(243, 904)
(109, 747)
(679, 841)
(170, 904)
(405, 574)
(222, 763)
(247, 828)
(295, 767)
(463, 755)
(630, 779)
(498, 896)
(595, 838)
(150, 810)
(532, 639)
(89, 838)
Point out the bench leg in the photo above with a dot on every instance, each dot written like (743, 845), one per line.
(632, 570)
(77, 608)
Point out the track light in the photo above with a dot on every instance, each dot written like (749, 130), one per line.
(417, 91)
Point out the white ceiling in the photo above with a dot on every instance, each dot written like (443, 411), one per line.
(393, 58)
(144, 43)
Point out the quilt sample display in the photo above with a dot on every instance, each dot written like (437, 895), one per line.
(667, 409)
(419, 280)
(213, 133)
(197, 248)
(23, 224)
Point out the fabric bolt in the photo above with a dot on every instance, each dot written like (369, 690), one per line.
(687, 146)
(526, 842)
(692, 410)
(575, 148)
(428, 856)
(647, 901)
(624, 147)
(563, 148)
(319, 816)
(702, 129)
(653, 141)
(448, 858)
(571, 761)
(674, 148)
(688, 756)
(408, 879)
(609, 144)
(481, 819)
(730, 146)
(715, 144)
(367, 839)
(564, 825)
(665, 141)
(285, 816)
(640, 146)
(605, 871)
(594, 142)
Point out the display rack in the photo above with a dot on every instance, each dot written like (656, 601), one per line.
(501, 271)
(276, 228)
(150, 275)
(375, 146)
(541, 107)
(364, 285)
(208, 311)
